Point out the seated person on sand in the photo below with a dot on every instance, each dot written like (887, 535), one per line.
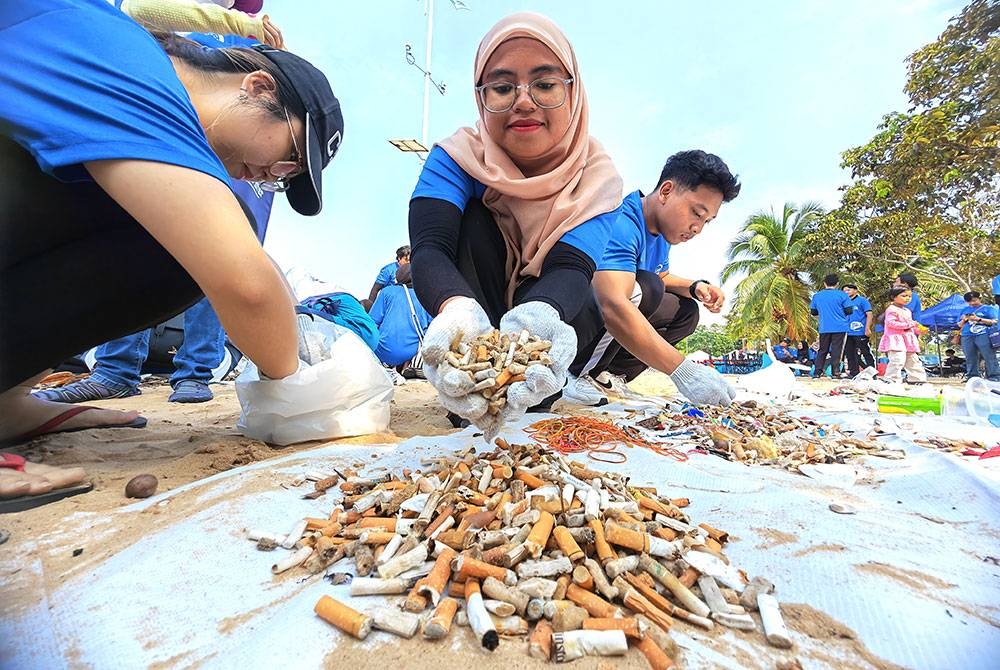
(387, 275)
(509, 219)
(953, 363)
(149, 130)
(646, 309)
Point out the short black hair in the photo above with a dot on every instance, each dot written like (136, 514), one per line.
(694, 168)
(949, 351)
(909, 279)
(854, 286)
(971, 295)
(785, 339)
(403, 251)
(831, 279)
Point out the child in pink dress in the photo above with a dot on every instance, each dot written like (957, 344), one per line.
(900, 342)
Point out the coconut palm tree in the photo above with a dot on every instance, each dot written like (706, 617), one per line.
(772, 299)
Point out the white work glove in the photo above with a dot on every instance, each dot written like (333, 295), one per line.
(540, 381)
(463, 317)
(702, 385)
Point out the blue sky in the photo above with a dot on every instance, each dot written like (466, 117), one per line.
(777, 89)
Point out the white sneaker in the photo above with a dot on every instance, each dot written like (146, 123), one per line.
(616, 385)
(582, 391)
(396, 378)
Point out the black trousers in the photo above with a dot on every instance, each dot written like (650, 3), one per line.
(672, 316)
(76, 270)
(831, 345)
(482, 261)
(858, 351)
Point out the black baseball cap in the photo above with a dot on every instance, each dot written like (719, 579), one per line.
(324, 125)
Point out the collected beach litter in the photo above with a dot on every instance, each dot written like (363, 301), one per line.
(522, 543)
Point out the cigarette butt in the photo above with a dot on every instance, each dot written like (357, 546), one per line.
(567, 618)
(774, 626)
(680, 502)
(433, 585)
(688, 578)
(381, 523)
(655, 656)
(313, 523)
(575, 644)
(439, 624)
(530, 480)
(499, 608)
(719, 536)
(562, 583)
(393, 621)
(456, 589)
(415, 602)
(595, 604)
(503, 377)
(292, 560)
(510, 626)
(376, 537)
(628, 625)
(583, 578)
(479, 618)
(667, 534)
(540, 642)
(470, 567)
(568, 545)
(494, 588)
(445, 513)
(604, 551)
(539, 535)
(341, 616)
(625, 537)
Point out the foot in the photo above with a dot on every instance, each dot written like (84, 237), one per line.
(191, 390)
(617, 386)
(85, 390)
(582, 391)
(22, 412)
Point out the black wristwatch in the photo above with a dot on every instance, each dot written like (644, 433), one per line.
(695, 283)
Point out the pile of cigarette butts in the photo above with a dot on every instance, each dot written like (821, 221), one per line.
(522, 543)
(756, 434)
(496, 360)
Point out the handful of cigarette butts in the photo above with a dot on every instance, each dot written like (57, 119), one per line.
(520, 542)
(496, 360)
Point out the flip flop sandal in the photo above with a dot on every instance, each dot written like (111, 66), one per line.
(47, 427)
(22, 503)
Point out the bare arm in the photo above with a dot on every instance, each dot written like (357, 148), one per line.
(626, 323)
(376, 288)
(209, 236)
(709, 295)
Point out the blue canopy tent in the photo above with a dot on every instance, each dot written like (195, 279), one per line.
(943, 317)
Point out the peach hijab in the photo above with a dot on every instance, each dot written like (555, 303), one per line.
(534, 212)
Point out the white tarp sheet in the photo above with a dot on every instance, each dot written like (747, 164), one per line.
(914, 572)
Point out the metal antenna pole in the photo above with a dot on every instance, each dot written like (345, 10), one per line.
(427, 70)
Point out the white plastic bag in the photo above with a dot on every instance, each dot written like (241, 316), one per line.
(346, 394)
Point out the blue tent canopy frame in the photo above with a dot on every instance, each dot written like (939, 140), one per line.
(944, 315)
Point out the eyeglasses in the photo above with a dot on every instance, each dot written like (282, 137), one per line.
(547, 93)
(284, 171)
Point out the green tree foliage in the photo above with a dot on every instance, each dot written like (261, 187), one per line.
(772, 299)
(925, 195)
(710, 339)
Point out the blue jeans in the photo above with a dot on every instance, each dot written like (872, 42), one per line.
(974, 346)
(119, 362)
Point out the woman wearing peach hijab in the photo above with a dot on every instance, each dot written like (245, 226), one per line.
(508, 219)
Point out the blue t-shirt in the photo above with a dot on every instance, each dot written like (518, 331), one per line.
(830, 303)
(443, 179)
(995, 285)
(858, 318)
(398, 341)
(984, 312)
(914, 305)
(258, 201)
(387, 275)
(84, 82)
(632, 247)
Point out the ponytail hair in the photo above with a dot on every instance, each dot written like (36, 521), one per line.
(233, 60)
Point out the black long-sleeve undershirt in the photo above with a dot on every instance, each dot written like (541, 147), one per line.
(434, 227)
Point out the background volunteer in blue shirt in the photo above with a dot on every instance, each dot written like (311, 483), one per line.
(784, 352)
(995, 288)
(857, 347)
(398, 315)
(98, 165)
(977, 321)
(387, 275)
(646, 309)
(833, 308)
(509, 219)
